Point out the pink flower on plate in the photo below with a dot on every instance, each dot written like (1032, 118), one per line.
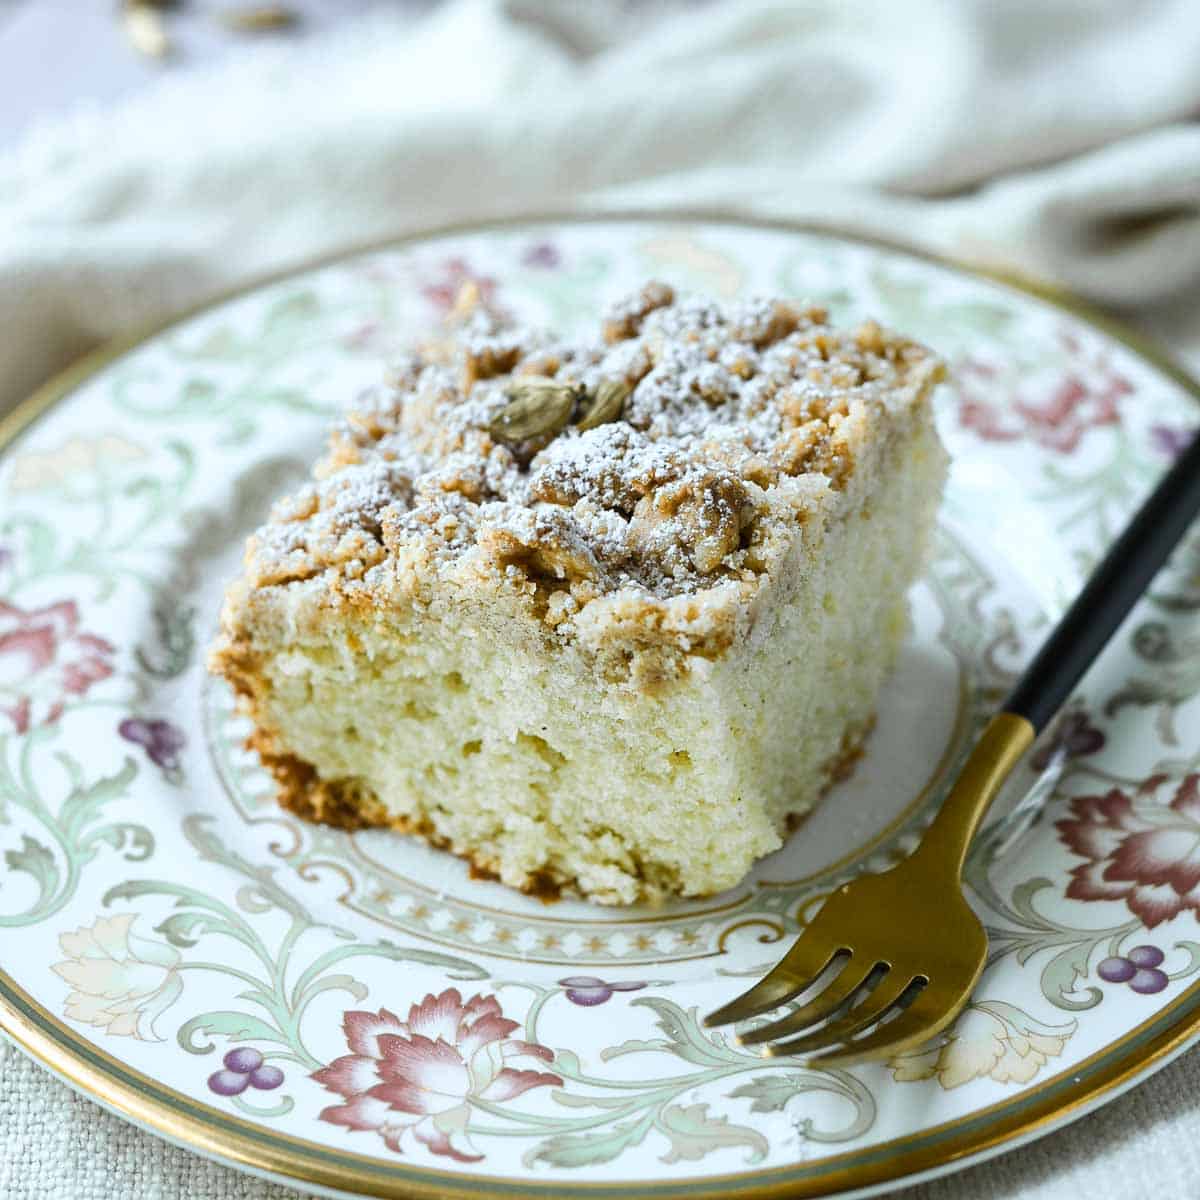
(44, 660)
(1056, 420)
(1138, 849)
(1056, 414)
(422, 1073)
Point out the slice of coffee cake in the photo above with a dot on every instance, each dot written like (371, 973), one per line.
(600, 614)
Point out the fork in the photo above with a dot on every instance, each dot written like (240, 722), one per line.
(891, 959)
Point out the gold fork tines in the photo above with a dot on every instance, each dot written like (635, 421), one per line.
(889, 959)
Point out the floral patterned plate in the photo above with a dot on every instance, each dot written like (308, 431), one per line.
(352, 1012)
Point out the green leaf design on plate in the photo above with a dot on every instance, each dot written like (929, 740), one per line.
(992, 320)
(1192, 949)
(1062, 973)
(910, 304)
(588, 1149)
(694, 1133)
(684, 1035)
(136, 840)
(635, 1046)
(236, 1026)
(281, 1109)
(114, 509)
(770, 1093)
(569, 292)
(286, 320)
(1173, 651)
(289, 316)
(173, 627)
(37, 860)
(629, 1109)
(70, 836)
(292, 326)
(565, 1061)
(37, 541)
(571, 1100)
(82, 805)
(337, 983)
(179, 927)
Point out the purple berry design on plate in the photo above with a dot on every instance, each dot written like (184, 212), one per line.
(542, 254)
(1170, 440)
(161, 740)
(587, 990)
(244, 1060)
(1116, 970)
(228, 1083)
(1139, 968)
(1074, 736)
(1145, 956)
(266, 1078)
(1149, 980)
(244, 1067)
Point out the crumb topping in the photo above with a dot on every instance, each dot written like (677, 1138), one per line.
(722, 429)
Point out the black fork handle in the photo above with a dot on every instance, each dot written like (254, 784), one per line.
(1113, 589)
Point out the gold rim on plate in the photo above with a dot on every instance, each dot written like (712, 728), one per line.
(241, 1143)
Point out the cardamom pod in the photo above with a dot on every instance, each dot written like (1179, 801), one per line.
(258, 18)
(536, 406)
(610, 399)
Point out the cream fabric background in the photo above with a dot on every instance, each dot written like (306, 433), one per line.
(1056, 136)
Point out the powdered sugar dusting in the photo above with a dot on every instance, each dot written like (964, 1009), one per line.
(694, 485)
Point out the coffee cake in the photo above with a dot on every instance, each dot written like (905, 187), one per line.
(603, 614)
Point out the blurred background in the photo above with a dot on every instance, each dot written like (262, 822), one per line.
(58, 54)
(155, 154)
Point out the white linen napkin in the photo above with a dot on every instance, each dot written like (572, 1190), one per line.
(1050, 135)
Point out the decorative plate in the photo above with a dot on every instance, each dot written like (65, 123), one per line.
(208, 965)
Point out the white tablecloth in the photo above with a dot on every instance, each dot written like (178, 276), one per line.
(1056, 136)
